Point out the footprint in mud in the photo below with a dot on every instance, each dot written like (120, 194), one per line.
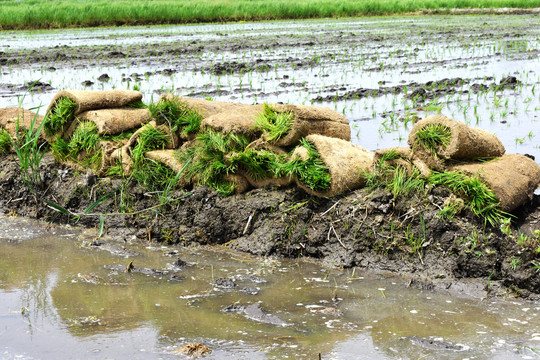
(255, 312)
(143, 270)
(435, 344)
(224, 283)
(114, 250)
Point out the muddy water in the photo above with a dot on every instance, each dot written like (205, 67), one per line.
(65, 294)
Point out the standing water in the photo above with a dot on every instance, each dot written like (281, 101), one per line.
(65, 294)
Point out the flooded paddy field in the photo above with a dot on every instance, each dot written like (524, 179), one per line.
(65, 294)
(382, 73)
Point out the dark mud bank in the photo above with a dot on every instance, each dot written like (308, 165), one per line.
(365, 228)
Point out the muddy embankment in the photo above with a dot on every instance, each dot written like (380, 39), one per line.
(366, 228)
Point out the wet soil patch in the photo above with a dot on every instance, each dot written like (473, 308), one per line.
(423, 91)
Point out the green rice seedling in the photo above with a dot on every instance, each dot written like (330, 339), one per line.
(5, 142)
(150, 138)
(59, 148)
(153, 175)
(177, 115)
(29, 152)
(84, 141)
(62, 113)
(35, 15)
(224, 188)
(433, 136)
(274, 124)
(115, 170)
(394, 178)
(452, 207)
(208, 159)
(313, 172)
(478, 197)
(84, 138)
(258, 164)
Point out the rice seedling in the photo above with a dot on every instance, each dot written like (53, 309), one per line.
(153, 175)
(273, 124)
(207, 159)
(62, 112)
(258, 164)
(478, 197)
(433, 137)
(102, 13)
(177, 115)
(84, 138)
(150, 138)
(394, 177)
(29, 151)
(313, 172)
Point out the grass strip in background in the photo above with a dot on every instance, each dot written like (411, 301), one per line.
(36, 14)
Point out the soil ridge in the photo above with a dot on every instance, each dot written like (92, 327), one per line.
(365, 228)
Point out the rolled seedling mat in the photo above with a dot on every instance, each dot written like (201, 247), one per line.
(206, 108)
(402, 157)
(86, 100)
(424, 159)
(513, 178)
(112, 121)
(260, 144)
(465, 142)
(173, 142)
(242, 185)
(170, 159)
(12, 116)
(267, 181)
(240, 120)
(345, 161)
(311, 120)
(96, 99)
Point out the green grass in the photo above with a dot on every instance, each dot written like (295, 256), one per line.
(273, 124)
(59, 116)
(177, 115)
(433, 137)
(5, 142)
(35, 14)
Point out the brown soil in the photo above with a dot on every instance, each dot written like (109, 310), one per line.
(365, 228)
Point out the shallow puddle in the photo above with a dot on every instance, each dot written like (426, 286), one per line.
(66, 294)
